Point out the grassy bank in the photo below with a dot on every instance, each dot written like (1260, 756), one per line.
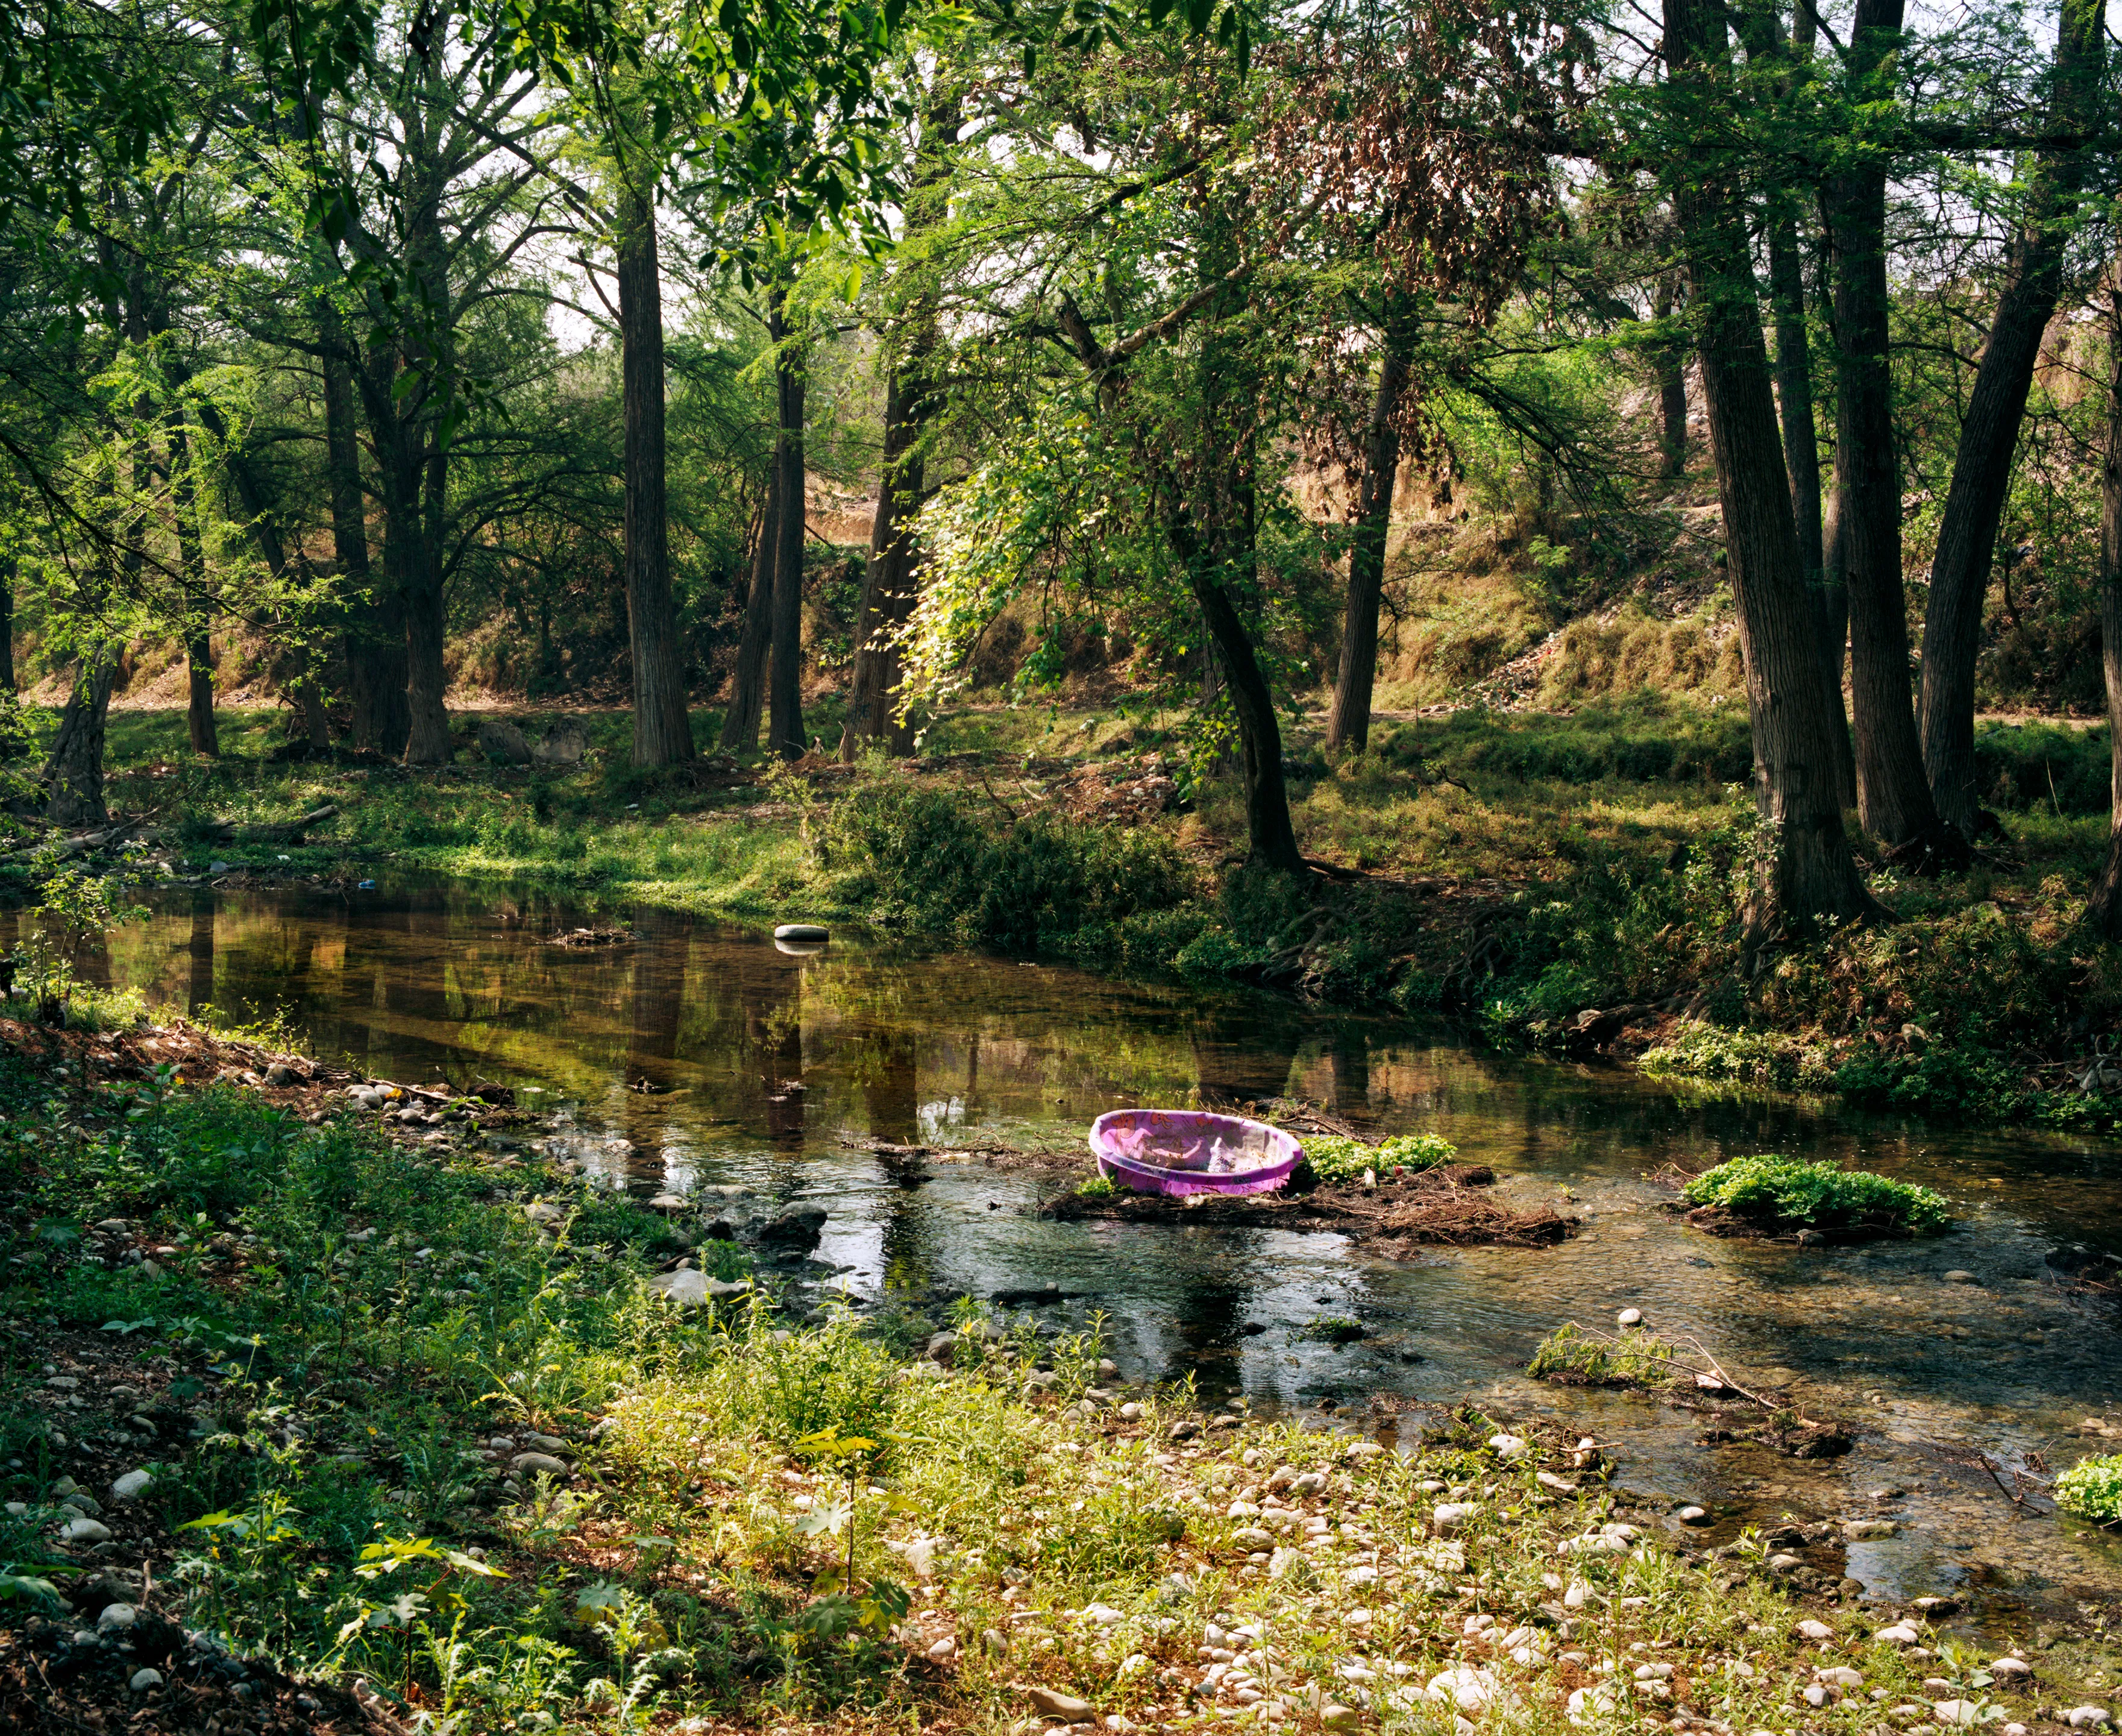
(323, 1432)
(1572, 882)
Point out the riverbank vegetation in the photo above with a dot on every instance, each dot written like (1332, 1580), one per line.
(304, 1423)
(1342, 506)
(1576, 884)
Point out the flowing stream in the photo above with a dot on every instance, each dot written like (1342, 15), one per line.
(756, 1063)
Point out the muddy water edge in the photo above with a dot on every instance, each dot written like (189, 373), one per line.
(669, 1056)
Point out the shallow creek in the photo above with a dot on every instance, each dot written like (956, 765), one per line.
(756, 1063)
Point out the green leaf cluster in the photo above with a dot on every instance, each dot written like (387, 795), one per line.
(1792, 1193)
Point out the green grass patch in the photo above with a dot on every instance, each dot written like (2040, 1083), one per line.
(1334, 1158)
(2092, 1488)
(1637, 1358)
(1791, 1193)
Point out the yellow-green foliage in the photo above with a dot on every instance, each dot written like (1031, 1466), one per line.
(1637, 1358)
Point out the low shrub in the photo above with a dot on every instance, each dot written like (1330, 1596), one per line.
(1790, 1193)
(2092, 1488)
(903, 855)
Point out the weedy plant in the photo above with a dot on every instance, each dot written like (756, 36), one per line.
(1637, 1358)
(1779, 1193)
(1335, 1159)
(2092, 1488)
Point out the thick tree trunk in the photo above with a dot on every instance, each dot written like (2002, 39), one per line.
(889, 588)
(426, 625)
(1805, 874)
(74, 775)
(373, 630)
(1893, 795)
(784, 692)
(740, 732)
(1670, 360)
(662, 728)
(2104, 910)
(1348, 722)
(1989, 435)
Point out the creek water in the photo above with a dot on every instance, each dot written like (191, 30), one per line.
(756, 1063)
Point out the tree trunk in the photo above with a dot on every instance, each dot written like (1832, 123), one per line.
(198, 714)
(373, 623)
(784, 693)
(1805, 873)
(1670, 360)
(1348, 722)
(199, 724)
(1893, 795)
(11, 739)
(890, 580)
(7, 624)
(1989, 436)
(740, 732)
(1834, 608)
(662, 728)
(74, 775)
(1272, 839)
(2104, 910)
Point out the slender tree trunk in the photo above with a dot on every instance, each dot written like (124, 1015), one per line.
(74, 775)
(740, 732)
(1989, 436)
(2104, 910)
(784, 693)
(662, 727)
(7, 625)
(1348, 722)
(373, 621)
(1834, 605)
(1794, 389)
(199, 722)
(1893, 795)
(1271, 839)
(11, 740)
(1805, 874)
(890, 580)
(1670, 360)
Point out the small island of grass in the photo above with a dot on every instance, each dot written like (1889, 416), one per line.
(2092, 1490)
(1773, 1195)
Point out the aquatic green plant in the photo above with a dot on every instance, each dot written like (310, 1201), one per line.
(2092, 1488)
(1334, 1159)
(1792, 1193)
(1096, 1187)
(1332, 1329)
(1637, 1358)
